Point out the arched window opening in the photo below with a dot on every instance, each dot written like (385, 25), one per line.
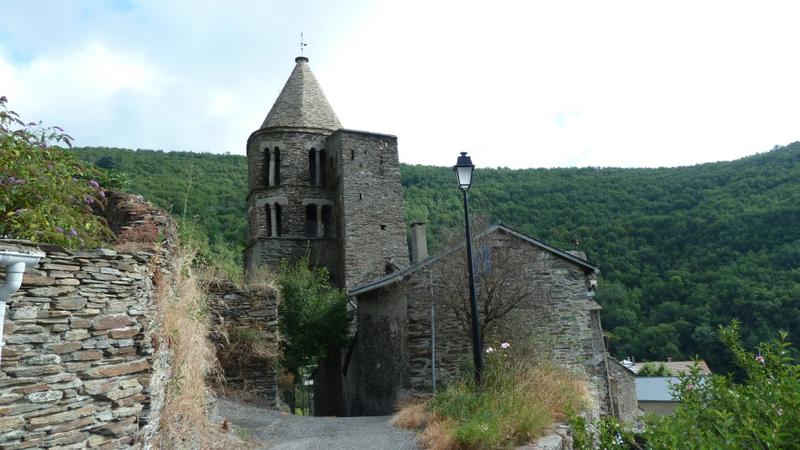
(273, 220)
(323, 167)
(277, 164)
(272, 168)
(313, 160)
(311, 221)
(327, 221)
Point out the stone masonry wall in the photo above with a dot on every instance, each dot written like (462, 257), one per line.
(77, 370)
(370, 205)
(623, 387)
(244, 314)
(294, 188)
(557, 319)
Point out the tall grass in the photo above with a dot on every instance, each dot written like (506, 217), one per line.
(518, 400)
(185, 418)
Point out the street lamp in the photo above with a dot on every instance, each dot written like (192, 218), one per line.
(463, 170)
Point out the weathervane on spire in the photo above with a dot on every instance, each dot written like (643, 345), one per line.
(302, 43)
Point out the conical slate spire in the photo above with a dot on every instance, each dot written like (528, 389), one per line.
(302, 103)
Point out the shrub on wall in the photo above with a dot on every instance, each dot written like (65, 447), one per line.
(46, 195)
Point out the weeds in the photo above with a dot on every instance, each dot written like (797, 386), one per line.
(517, 401)
(185, 421)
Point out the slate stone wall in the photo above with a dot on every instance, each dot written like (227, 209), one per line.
(623, 389)
(296, 188)
(559, 319)
(255, 310)
(381, 351)
(78, 367)
(369, 205)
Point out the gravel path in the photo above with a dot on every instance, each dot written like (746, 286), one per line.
(280, 431)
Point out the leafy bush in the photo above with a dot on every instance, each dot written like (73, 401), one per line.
(650, 369)
(763, 411)
(312, 313)
(46, 195)
(517, 400)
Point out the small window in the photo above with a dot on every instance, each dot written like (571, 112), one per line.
(311, 221)
(276, 231)
(277, 159)
(327, 221)
(312, 166)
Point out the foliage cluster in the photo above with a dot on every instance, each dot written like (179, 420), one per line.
(312, 316)
(763, 411)
(681, 250)
(650, 369)
(516, 402)
(46, 194)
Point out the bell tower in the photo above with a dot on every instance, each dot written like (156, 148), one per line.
(317, 189)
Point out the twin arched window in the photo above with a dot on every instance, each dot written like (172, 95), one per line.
(273, 211)
(273, 167)
(319, 221)
(316, 166)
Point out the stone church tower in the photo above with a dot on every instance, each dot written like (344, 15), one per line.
(316, 188)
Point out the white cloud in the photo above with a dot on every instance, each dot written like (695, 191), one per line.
(515, 83)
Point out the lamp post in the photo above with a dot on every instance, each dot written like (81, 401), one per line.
(463, 170)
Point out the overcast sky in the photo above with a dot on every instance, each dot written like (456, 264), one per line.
(515, 83)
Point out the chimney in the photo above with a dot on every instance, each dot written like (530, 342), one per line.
(419, 241)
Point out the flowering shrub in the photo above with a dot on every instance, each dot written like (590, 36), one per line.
(763, 411)
(46, 195)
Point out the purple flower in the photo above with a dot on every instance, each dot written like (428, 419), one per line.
(19, 211)
(59, 229)
(73, 232)
(94, 184)
(102, 194)
(11, 180)
(760, 359)
(505, 345)
(88, 200)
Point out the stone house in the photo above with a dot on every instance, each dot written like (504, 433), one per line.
(409, 336)
(335, 195)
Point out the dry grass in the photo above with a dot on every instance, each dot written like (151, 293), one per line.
(185, 421)
(412, 416)
(438, 435)
(516, 404)
(263, 278)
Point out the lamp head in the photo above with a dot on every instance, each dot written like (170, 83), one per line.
(463, 170)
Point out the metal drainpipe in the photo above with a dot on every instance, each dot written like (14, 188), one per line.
(14, 262)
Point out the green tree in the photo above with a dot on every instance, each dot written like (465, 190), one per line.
(313, 317)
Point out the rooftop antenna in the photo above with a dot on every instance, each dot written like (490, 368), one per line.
(302, 43)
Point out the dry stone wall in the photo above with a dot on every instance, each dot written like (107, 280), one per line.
(250, 314)
(77, 369)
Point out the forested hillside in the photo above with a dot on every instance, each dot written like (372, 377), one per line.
(681, 250)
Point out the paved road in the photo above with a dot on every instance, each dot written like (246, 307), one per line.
(279, 431)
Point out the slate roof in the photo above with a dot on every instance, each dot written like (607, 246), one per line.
(399, 275)
(301, 103)
(655, 389)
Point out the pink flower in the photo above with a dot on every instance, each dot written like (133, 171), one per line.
(760, 359)
(690, 387)
(94, 184)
